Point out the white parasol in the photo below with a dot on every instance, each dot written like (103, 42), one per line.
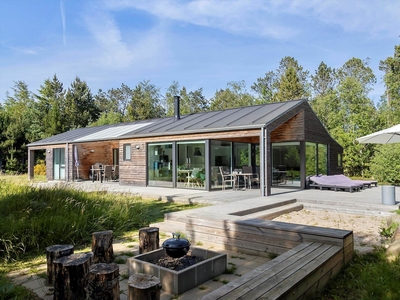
(77, 163)
(386, 136)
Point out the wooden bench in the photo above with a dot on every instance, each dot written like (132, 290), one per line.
(300, 272)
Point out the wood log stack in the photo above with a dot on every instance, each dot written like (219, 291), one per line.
(93, 275)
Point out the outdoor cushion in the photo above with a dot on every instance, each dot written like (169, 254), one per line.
(366, 183)
(334, 182)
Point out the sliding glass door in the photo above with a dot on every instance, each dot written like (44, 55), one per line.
(59, 164)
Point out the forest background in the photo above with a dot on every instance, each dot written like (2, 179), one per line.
(339, 97)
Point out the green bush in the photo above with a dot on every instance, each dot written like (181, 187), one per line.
(385, 166)
(40, 168)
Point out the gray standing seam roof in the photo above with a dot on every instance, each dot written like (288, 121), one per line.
(248, 117)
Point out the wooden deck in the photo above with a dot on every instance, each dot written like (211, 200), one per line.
(308, 256)
(302, 271)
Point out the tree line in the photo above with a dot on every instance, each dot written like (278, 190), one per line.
(339, 97)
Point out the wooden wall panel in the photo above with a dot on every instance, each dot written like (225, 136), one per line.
(298, 124)
(291, 130)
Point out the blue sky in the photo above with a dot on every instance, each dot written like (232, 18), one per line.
(200, 44)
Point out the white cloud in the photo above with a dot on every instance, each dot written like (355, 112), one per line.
(368, 16)
(118, 50)
(237, 17)
(64, 22)
(261, 18)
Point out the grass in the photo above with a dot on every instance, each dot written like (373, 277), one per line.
(370, 276)
(32, 219)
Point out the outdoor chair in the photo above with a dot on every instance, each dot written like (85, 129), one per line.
(115, 175)
(107, 173)
(193, 179)
(227, 179)
(253, 178)
(96, 171)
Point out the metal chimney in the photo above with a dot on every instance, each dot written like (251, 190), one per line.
(177, 108)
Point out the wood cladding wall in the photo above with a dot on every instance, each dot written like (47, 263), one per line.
(134, 170)
(298, 124)
(291, 130)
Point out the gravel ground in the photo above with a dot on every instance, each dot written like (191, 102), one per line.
(365, 228)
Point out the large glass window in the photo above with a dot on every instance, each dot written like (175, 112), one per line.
(191, 171)
(220, 158)
(242, 155)
(286, 164)
(115, 156)
(322, 159)
(316, 159)
(159, 164)
(311, 159)
(59, 163)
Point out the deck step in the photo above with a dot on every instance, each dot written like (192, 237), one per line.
(273, 213)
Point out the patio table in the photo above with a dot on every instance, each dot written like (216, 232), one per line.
(237, 175)
(98, 172)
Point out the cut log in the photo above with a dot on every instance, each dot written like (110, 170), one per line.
(103, 282)
(52, 253)
(149, 239)
(143, 286)
(102, 247)
(71, 275)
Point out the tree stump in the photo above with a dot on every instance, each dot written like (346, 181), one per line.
(71, 274)
(52, 253)
(143, 286)
(102, 247)
(103, 282)
(149, 239)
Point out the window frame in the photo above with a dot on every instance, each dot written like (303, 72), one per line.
(125, 152)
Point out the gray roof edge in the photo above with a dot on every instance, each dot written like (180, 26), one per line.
(301, 101)
(186, 132)
(182, 132)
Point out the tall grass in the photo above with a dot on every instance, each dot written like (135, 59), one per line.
(369, 277)
(33, 218)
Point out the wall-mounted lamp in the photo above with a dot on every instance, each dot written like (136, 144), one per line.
(92, 150)
(48, 151)
(137, 147)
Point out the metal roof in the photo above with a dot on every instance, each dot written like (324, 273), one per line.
(248, 117)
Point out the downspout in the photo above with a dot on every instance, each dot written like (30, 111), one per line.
(67, 164)
(262, 161)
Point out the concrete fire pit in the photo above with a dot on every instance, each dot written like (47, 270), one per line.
(178, 282)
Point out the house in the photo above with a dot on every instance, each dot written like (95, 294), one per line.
(282, 143)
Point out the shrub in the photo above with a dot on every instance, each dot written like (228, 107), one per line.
(40, 168)
(383, 166)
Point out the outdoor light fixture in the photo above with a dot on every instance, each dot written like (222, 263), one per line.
(137, 146)
(197, 152)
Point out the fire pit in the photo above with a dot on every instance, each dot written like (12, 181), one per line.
(178, 282)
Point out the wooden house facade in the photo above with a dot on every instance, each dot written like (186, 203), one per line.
(283, 143)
